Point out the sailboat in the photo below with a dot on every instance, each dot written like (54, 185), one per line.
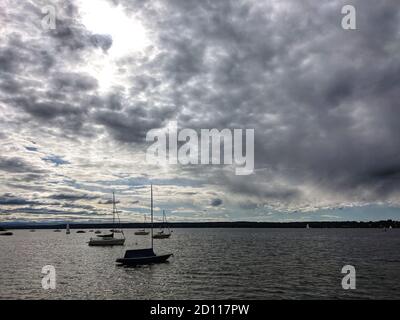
(109, 239)
(142, 232)
(143, 256)
(307, 226)
(162, 234)
(67, 232)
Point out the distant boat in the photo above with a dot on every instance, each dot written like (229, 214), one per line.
(162, 234)
(109, 239)
(67, 231)
(116, 231)
(57, 230)
(6, 233)
(81, 231)
(143, 256)
(307, 226)
(142, 232)
(33, 230)
(97, 232)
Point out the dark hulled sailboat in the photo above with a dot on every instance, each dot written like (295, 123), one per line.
(143, 256)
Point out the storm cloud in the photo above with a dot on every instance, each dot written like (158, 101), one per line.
(323, 101)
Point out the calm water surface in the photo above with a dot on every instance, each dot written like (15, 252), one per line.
(207, 264)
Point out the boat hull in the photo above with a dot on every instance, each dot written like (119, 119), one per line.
(161, 236)
(143, 260)
(141, 233)
(103, 242)
(7, 233)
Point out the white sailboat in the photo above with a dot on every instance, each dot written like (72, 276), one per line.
(109, 239)
(162, 234)
(142, 232)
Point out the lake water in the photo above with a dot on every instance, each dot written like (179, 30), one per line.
(207, 264)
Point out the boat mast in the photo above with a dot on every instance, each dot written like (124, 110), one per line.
(151, 191)
(165, 222)
(164, 219)
(113, 211)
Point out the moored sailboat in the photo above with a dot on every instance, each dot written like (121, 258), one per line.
(143, 256)
(67, 231)
(109, 239)
(162, 234)
(142, 232)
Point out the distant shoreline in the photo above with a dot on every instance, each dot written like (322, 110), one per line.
(237, 224)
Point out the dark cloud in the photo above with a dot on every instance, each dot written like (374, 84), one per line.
(56, 160)
(11, 200)
(132, 123)
(52, 211)
(102, 41)
(216, 202)
(18, 165)
(73, 82)
(322, 100)
(107, 201)
(72, 196)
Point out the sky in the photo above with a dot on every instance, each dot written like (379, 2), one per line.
(77, 101)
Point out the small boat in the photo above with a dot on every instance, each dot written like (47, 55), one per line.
(57, 230)
(143, 256)
(67, 229)
(307, 226)
(109, 239)
(142, 232)
(106, 240)
(6, 233)
(97, 232)
(32, 230)
(81, 231)
(162, 234)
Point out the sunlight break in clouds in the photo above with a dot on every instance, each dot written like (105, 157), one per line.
(127, 34)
